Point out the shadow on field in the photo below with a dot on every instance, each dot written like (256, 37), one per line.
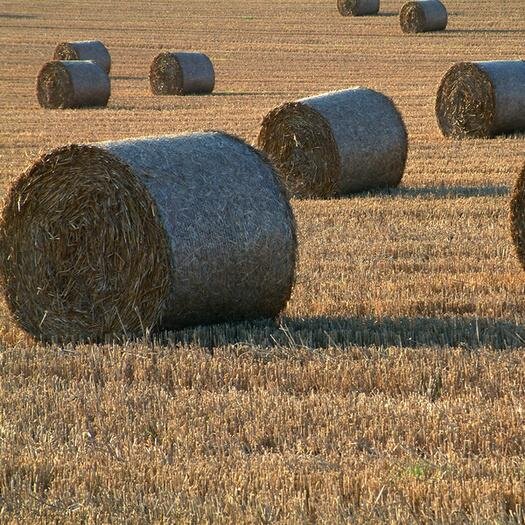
(327, 332)
(249, 93)
(446, 192)
(482, 30)
(17, 16)
(388, 13)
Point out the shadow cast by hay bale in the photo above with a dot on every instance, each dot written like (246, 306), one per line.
(329, 332)
(446, 192)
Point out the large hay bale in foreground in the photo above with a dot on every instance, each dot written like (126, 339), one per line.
(336, 143)
(72, 84)
(181, 73)
(421, 16)
(482, 99)
(166, 232)
(358, 7)
(84, 50)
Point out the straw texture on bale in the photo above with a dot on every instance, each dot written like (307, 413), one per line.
(358, 7)
(517, 217)
(166, 232)
(84, 50)
(181, 73)
(421, 16)
(482, 99)
(336, 143)
(72, 84)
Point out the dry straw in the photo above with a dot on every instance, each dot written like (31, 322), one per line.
(336, 143)
(482, 99)
(72, 84)
(181, 73)
(358, 7)
(422, 16)
(121, 237)
(84, 50)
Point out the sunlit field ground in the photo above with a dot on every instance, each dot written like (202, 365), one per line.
(392, 390)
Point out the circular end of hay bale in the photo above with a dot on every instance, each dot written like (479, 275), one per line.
(65, 51)
(300, 142)
(412, 18)
(466, 102)
(54, 88)
(83, 254)
(165, 76)
(517, 217)
(347, 7)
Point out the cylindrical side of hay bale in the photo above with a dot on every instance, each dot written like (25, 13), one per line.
(482, 99)
(421, 16)
(72, 84)
(517, 217)
(336, 143)
(84, 50)
(358, 7)
(181, 73)
(165, 232)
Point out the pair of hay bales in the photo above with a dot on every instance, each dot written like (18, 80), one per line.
(122, 237)
(482, 99)
(415, 16)
(77, 77)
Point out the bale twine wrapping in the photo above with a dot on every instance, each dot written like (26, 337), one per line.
(181, 73)
(482, 99)
(165, 232)
(72, 84)
(84, 50)
(517, 217)
(422, 16)
(336, 143)
(358, 7)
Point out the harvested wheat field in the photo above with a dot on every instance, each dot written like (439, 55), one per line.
(391, 390)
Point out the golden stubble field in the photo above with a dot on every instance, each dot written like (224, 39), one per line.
(393, 389)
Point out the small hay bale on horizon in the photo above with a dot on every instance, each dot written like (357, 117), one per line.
(72, 84)
(421, 16)
(336, 143)
(93, 50)
(120, 238)
(358, 7)
(482, 99)
(181, 73)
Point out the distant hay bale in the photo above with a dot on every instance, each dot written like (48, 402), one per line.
(84, 50)
(72, 84)
(482, 99)
(165, 232)
(517, 217)
(336, 143)
(421, 16)
(181, 73)
(358, 7)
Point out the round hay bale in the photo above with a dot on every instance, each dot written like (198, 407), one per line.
(482, 99)
(358, 7)
(422, 16)
(336, 143)
(84, 50)
(72, 84)
(163, 232)
(517, 217)
(181, 73)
